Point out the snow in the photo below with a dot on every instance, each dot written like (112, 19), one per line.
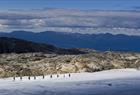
(109, 82)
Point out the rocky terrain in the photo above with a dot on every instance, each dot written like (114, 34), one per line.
(30, 64)
(25, 58)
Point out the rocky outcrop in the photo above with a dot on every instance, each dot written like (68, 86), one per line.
(41, 63)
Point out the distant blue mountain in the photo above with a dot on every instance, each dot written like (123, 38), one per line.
(14, 45)
(100, 42)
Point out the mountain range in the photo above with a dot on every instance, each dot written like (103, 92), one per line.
(102, 42)
(14, 45)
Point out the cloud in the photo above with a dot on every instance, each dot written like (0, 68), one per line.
(69, 20)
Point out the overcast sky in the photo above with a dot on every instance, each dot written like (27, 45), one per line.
(55, 15)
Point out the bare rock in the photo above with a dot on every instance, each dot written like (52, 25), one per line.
(69, 68)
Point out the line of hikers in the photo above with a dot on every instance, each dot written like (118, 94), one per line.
(51, 76)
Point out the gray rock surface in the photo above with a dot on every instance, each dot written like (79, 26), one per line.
(25, 64)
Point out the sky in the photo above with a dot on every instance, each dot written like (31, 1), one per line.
(65, 15)
(74, 4)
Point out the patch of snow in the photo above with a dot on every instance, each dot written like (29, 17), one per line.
(110, 82)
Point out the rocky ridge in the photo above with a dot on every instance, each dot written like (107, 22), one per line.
(30, 64)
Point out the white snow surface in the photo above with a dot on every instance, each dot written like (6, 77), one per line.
(109, 82)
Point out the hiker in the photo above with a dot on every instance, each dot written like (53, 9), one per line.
(69, 75)
(29, 77)
(50, 76)
(34, 77)
(57, 75)
(43, 76)
(14, 78)
(20, 77)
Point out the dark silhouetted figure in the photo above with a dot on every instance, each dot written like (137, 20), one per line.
(57, 75)
(29, 78)
(14, 78)
(69, 75)
(34, 77)
(50, 76)
(20, 77)
(43, 76)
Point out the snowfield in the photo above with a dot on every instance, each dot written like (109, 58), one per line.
(110, 82)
